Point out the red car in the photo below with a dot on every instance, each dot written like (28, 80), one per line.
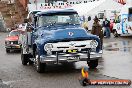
(11, 42)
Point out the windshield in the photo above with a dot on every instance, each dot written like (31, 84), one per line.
(14, 33)
(58, 19)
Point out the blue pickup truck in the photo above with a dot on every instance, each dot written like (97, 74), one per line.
(56, 37)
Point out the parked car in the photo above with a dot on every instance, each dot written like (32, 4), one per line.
(56, 36)
(11, 41)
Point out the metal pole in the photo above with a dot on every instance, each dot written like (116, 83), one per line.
(57, 58)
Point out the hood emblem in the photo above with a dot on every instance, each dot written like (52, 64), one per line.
(70, 33)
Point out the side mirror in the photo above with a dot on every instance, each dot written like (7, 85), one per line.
(26, 20)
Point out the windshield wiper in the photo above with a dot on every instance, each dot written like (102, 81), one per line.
(49, 25)
(70, 24)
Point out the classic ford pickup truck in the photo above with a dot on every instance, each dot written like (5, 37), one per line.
(55, 37)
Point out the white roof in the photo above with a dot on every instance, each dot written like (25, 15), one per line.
(86, 7)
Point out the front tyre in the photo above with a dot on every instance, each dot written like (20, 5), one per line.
(40, 67)
(93, 64)
(7, 50)
(24, 58)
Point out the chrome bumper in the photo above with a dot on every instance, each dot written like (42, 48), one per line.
(69, 57)
(12, 46)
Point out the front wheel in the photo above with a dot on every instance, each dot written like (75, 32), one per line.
(93, 64)
(7, 51)
(40, 67)
(24, 58)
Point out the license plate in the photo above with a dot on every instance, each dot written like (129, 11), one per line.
(72, 51)
(71, 59)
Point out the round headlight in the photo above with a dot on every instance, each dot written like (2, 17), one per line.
(48, 47)
(93, 44)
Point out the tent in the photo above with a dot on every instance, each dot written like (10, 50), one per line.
(86, 7)
(106, 5)
(95, 7)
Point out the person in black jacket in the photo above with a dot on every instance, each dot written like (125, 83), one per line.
(106, 25)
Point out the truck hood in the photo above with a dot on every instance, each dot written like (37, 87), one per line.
(46, 34)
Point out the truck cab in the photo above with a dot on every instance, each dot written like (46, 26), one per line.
(57, 37)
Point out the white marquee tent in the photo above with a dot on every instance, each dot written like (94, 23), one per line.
(95, 7)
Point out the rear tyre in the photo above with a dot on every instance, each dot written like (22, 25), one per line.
(93, 64)
(40, 67)
(7, 51)
(24, 58)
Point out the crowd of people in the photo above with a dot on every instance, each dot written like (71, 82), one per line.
(106, 25)
(102, 30)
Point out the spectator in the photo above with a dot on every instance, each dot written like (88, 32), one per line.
(97, 30)
(106, 25)
(111, 25)
(85, 25)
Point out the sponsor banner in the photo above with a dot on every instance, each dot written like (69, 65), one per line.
(55, 5)
(110, 82)
(41, 6)
(85, 81)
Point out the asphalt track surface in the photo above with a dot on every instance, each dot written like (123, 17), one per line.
(116, 63)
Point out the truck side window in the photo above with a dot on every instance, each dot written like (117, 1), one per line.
(41, 21)
(30, 18)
